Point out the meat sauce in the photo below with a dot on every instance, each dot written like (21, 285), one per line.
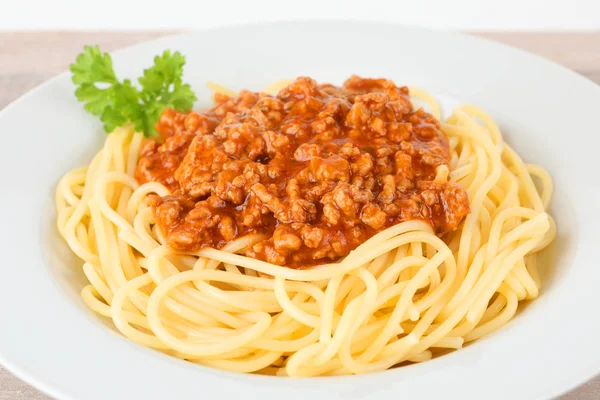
(316, 168)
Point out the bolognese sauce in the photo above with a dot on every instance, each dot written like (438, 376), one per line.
(317, 169)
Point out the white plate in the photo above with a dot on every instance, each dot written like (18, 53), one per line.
(546, 112)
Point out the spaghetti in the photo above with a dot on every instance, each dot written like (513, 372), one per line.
(404, 295)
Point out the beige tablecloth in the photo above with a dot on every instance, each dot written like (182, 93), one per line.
(28, 59)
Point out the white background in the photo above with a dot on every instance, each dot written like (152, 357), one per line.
(580, 15)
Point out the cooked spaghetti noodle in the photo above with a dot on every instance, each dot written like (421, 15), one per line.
(404, 295)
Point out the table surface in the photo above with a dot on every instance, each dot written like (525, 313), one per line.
(30, 58)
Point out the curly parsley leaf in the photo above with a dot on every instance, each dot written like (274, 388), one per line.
(117, 103)
(93, 66)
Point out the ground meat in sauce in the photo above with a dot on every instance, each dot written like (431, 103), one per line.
(317, 168)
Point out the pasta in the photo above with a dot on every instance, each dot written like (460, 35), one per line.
(404, 295)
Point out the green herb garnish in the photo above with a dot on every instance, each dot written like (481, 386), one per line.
(118, 102)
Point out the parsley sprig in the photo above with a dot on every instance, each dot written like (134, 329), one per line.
(118, 102)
